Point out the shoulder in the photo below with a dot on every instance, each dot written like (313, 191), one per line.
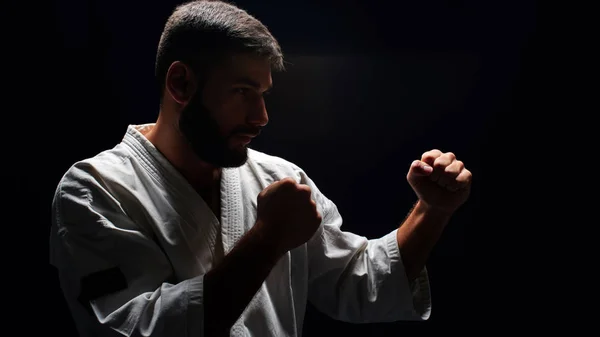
(94, 175)
(277, 168)
(268, 160)
(263, 158)
(274, 166)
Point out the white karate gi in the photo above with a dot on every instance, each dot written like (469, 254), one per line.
(129, 208)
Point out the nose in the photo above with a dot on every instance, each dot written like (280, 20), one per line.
(258, 115)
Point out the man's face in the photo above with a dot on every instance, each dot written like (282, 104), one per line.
(222, 117)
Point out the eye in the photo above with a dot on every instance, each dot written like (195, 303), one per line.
(242, 91)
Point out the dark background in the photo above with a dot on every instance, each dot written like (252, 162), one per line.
(369, 86)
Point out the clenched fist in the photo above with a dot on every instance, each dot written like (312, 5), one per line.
(286, 214)
(440, 181)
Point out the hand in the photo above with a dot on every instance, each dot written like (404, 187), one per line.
(441, 182)
(286, 214)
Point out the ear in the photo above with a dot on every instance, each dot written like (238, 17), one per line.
(180, 82)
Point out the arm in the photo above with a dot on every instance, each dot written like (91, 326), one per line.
(230, 286)
(360, 280)
(442, 184)
(113, 274)
(357, 280)
(417, 236)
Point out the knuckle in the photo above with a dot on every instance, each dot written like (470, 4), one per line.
(287, 183)
(304, 188)
(431, 154)
(452, 170)
(440, 162)
(450, 155)
(466, 174)
(464, 178)
(288, 180)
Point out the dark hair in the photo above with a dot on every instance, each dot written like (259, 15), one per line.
(202, 33)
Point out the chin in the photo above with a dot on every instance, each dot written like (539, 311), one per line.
(239, 158)
(233, 158)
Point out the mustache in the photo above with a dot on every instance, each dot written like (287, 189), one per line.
(246, 131)
(194, 122)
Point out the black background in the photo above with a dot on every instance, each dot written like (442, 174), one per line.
(368, 88)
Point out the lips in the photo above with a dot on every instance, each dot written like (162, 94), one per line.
(248, 135)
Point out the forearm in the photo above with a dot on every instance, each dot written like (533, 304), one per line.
(417, 236)
(230, 286)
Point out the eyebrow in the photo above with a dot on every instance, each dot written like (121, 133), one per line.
(251, 82)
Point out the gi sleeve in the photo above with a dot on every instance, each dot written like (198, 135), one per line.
(357, 280)
(114, 270)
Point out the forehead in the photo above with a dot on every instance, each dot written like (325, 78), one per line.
(240, 66)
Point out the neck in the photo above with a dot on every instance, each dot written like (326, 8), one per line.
(167, 138)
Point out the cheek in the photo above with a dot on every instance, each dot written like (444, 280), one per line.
(224, 123)
(231, 113)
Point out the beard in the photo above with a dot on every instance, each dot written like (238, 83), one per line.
(202, 132)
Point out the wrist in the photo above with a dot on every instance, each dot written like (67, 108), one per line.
(267, 242)
(422, 208)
